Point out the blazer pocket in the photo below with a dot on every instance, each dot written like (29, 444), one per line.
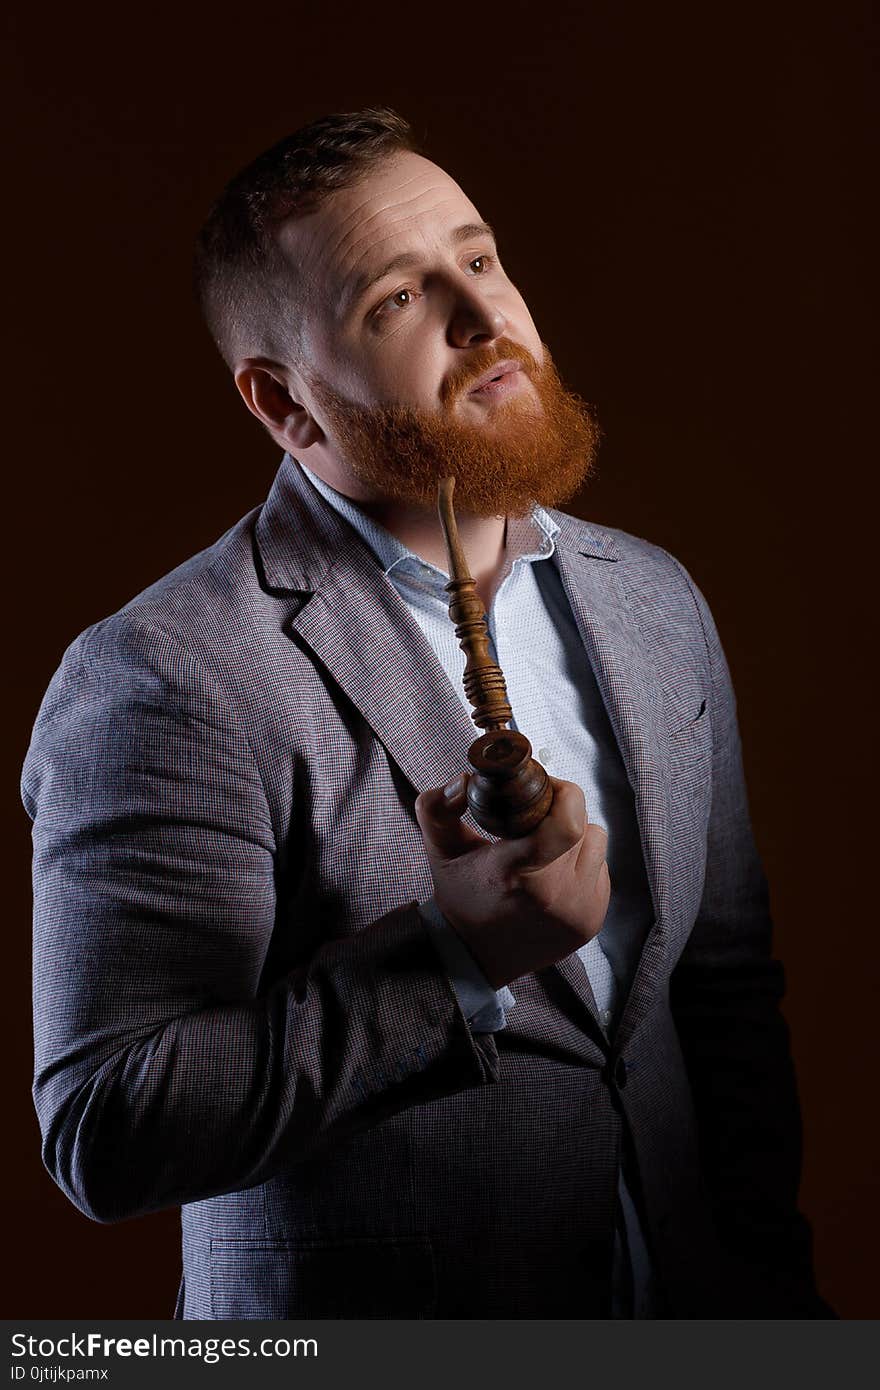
(687, 718)
(351, 1277)
(688, 754)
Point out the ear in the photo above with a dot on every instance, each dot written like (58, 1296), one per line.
(265, 391)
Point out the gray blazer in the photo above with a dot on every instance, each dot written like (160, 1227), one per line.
(238, 1008)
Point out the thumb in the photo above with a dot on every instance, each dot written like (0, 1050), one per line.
(439, 813)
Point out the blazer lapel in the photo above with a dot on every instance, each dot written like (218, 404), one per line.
(368, 640)
(590, 569)
(362, 632)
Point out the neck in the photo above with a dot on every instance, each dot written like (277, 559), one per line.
(483, 537)
(420, 531)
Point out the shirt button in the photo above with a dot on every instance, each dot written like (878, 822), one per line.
(544, 755)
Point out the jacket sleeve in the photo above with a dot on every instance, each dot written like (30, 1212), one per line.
(165, 1072)
(725, 995)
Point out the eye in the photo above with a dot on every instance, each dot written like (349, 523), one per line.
(400, 299)
(480, 264)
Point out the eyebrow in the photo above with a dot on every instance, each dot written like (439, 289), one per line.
(408, 259)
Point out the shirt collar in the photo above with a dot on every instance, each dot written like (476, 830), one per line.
(528, 538)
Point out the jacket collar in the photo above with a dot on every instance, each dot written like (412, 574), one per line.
(298, 535)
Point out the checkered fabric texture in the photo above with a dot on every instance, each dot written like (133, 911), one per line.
(239, 1010)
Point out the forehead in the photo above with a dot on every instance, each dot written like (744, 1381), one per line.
(405, 203)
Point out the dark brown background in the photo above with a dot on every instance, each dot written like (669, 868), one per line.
(677, 191)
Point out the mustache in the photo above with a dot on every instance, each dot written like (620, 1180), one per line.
(480, 360)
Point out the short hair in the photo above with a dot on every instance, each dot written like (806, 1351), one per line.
(243, 283)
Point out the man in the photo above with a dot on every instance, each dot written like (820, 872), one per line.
(387, 1065)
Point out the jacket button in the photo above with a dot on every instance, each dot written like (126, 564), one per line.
(620, 1073)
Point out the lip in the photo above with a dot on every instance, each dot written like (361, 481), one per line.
(497, 378)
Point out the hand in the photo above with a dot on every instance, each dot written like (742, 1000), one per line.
(518, 905)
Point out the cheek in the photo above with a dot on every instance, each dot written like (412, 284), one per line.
(520, 315)
(410, 371)
(337, 364)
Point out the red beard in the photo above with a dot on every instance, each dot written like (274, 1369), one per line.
(525, 453)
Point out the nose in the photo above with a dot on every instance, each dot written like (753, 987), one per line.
(474, 319)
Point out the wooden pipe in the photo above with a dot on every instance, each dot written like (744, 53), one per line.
(509, 793)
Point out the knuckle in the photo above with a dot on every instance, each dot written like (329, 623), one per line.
(574, 834)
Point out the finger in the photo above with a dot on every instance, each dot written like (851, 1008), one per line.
(439, 812)
(559, 832)
(592, 854)
(603, 888)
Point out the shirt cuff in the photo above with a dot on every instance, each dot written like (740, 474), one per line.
(482, 1006)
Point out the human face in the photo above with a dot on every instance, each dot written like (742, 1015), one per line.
(403, 286)
(419, 357)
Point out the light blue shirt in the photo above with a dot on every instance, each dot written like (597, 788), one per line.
(558, 706)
